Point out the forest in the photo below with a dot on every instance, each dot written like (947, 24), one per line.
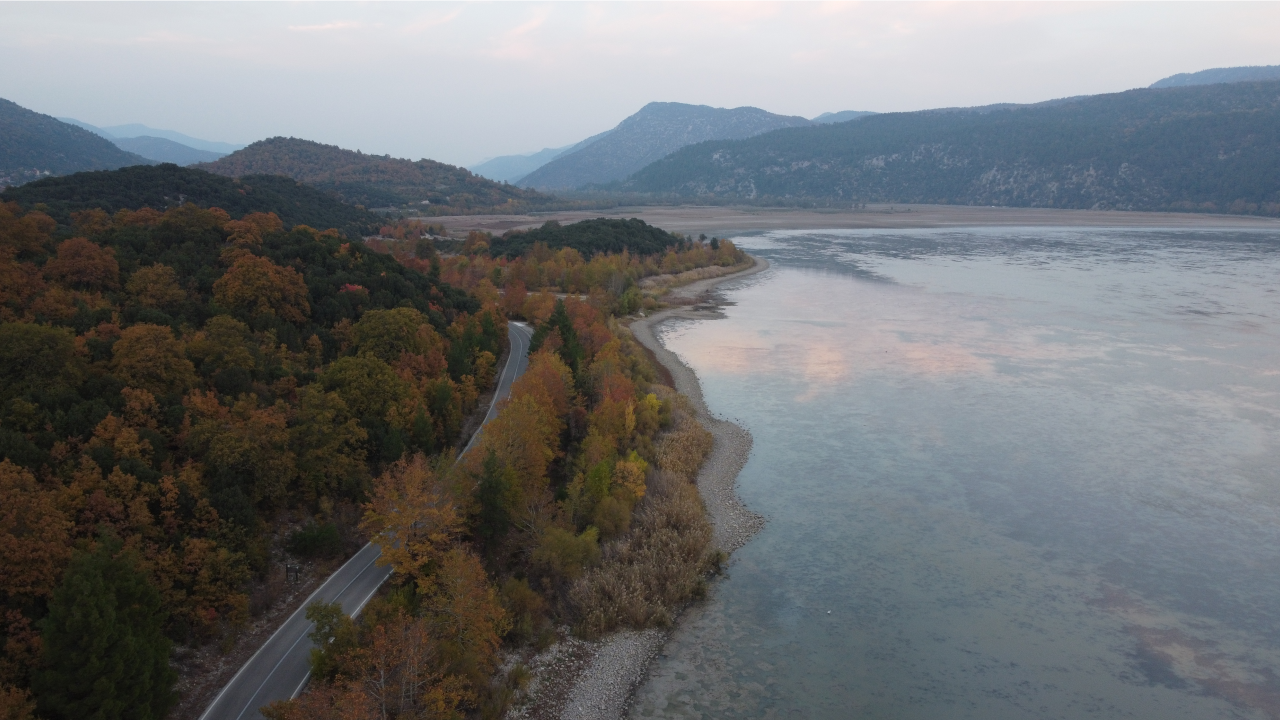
(169, 186)
(1211, 148)
(175, 385)
(577, 507)
(190, 400)
(588, 237)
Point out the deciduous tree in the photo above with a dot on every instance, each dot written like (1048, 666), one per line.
(150, 357)
(256, 286)
(83, 264)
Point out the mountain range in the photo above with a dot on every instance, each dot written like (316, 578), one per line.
(656, 130)
(1253, 73)
(1202, 147)
(376, 180)
(159, 145)
(33, 146)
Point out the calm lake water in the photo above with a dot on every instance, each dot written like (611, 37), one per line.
(1008, 473)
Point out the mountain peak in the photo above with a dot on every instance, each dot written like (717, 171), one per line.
(1213, 76)
(653, 132)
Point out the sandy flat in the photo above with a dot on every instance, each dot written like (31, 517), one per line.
(726, 220)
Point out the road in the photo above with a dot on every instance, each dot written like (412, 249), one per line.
(280, 668)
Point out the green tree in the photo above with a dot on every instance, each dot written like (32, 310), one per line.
(498, 493)
(387, 333)
(329, 444)
(105, 655)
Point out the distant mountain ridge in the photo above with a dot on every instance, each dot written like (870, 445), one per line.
(34, 145)
(1253, 73)
(654, 132)
(376, 180)
(511, 168)
(1207, 147)
(165, 151)
(135, 130)
(842, 116)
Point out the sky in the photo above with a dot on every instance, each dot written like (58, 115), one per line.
(463, 82)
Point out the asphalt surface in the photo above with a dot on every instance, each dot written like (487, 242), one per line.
(280, 668)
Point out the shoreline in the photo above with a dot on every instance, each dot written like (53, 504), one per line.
(725, 219)
(604, 683)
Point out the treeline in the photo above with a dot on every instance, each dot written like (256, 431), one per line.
(577, 506)
(588, 237)
(608, 269)
(175, 385)
(168, 186)
(1213, 148)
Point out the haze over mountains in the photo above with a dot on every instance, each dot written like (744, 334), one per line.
(33, 146)
(159, 145)
(1203, 141)
(655, 131)
(1254, 73)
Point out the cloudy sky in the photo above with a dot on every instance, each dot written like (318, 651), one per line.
(462, 82)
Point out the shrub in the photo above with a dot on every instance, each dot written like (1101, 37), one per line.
(646, 576)
(682, 450)
(566, 556)
(316, 540)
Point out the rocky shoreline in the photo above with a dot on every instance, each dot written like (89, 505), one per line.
(602, 677)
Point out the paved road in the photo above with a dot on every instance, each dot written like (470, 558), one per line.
(280, 668)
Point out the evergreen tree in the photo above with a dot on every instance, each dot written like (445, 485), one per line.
(497, 494)
(105, 656)
(570, 350)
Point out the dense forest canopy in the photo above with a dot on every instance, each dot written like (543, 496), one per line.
(174, 387)
(33, 146)
(575, 507)
(1210, 148)
(601, 235)
(169, 186)
(433, 188)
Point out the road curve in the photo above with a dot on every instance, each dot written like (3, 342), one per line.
(280, 668)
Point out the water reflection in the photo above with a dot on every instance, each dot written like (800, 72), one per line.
(1008, 474)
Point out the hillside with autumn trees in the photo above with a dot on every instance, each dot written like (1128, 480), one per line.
(576, 507)
(167, 186)
(183, 396)
(432, 188)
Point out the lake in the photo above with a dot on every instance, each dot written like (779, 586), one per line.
(1008, 473)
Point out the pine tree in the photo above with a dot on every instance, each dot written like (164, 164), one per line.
(497, 494)
(105, 656)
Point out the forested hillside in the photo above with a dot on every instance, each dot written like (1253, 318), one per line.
(33, 146)
(656, 130)
(1207, 148)
(161, 187)
(164, 150)
(576, 507)
(588, 237)
(178, 389)
(433, 188)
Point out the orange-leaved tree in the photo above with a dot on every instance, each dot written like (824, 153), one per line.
(413, 517)
(256, 286)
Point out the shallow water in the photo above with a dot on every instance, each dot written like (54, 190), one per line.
(1008, 474)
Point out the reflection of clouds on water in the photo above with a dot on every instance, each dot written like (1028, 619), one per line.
(1031, 476)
